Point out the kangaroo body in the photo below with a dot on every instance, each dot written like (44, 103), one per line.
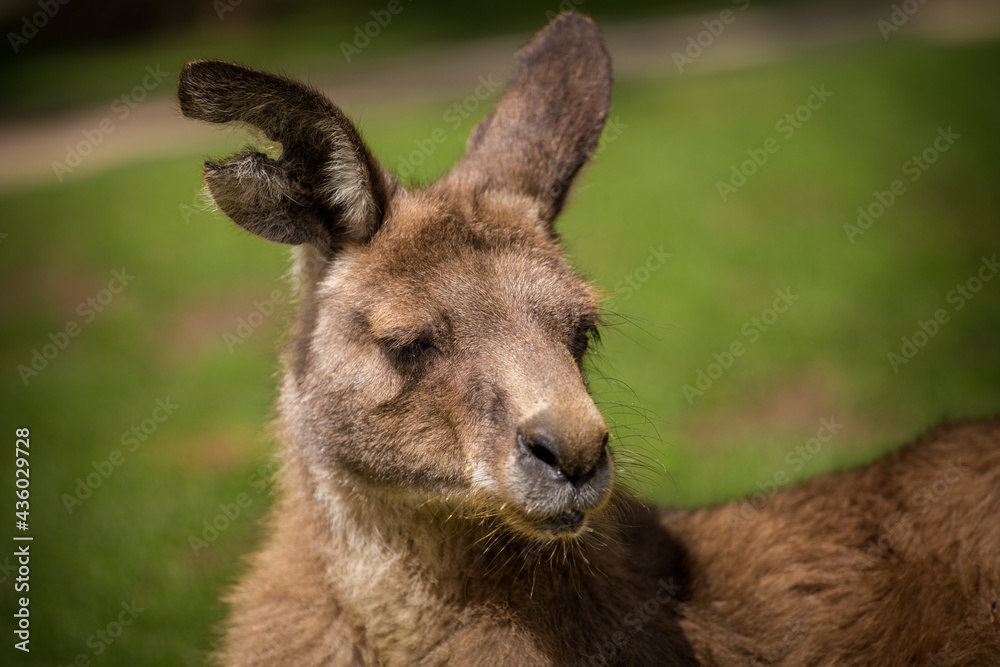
(448, 494)
(865, 567)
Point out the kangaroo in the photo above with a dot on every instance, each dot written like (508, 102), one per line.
(448, 492)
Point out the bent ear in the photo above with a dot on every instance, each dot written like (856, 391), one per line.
(546, 125)
(324, 188)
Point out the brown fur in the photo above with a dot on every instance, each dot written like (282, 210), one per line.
(447, 493)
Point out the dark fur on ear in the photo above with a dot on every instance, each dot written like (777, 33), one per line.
(546, 125)
(324, 188)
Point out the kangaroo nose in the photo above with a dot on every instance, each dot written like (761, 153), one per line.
(575, 455)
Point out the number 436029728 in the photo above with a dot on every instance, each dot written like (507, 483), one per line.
(21, 477)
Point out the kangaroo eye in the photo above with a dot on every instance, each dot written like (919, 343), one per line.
(410, 352)
(582, 336)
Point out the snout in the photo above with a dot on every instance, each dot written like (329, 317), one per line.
(562, 469)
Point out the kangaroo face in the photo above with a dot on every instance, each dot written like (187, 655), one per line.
(449, 349)
(437, 353)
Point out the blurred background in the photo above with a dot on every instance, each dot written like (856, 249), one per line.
(794, 212)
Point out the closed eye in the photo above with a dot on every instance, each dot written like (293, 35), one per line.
(408, 349)
(585, 333)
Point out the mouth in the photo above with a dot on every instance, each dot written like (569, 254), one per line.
(568, 524)
(570, 521)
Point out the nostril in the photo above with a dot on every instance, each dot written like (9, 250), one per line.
(577, 465)
(588, 475)
(541, 448)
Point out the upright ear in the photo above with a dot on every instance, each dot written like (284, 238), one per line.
(324, 188)
(546, 125)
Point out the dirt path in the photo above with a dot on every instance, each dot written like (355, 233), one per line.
(29, 148)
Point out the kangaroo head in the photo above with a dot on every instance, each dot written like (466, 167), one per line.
(436, 356)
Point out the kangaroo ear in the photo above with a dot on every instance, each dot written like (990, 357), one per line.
(546, 125)
(325, 187)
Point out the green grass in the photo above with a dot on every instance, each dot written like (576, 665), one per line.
(654, 185)
(48, 74)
